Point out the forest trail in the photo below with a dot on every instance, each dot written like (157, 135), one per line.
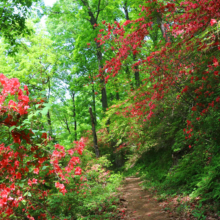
(138, 204)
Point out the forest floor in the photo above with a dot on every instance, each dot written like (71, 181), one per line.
(139, 204)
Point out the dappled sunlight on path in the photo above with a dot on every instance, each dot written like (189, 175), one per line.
(138, 203)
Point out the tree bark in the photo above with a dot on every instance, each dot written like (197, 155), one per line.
(136, 73)
(125, 7)
(136, 69)
(162, 28)
(74, 116)
(117, 95)
(103, 90)
(93, 102)
(117, 91)
(48, 113)
(129, 77)
(49, 123)
(67, 125)
(93, 20)
(95, 141)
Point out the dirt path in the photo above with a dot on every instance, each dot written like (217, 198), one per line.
(138, 204)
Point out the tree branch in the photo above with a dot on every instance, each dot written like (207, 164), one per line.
(98, 10)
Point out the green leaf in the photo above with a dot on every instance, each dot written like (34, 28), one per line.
(11, 128)
(44, 167)
(21, 184)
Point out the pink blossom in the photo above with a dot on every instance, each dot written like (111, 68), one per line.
(36, 170)
(213, 21)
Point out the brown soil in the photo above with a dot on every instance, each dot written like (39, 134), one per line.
(138, 204)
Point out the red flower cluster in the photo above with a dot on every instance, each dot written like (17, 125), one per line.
(23, 164)
(182, 68)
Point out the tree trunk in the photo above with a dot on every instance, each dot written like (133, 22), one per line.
(93, 103)
(103, 90)
(48, 113)
(162, 28)
(49, 123)
(136, 70)
(74, 116)
(129, 77)
(136, 73)
(125, 7)
(117, 93)
(93, 20)
(95, 141)
(67, 125)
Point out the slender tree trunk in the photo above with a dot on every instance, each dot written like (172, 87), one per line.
(95, 141)
(117, 93)
(49, 123)
(129, 77)
(162, 28)
(67, 125)
(74, 116)
(136, 69)
(103, 90)
(125, 7)
(93, 103)
(93, 20)
(48, 113)
(136, 73)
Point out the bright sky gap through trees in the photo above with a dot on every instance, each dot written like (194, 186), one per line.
(49, 2)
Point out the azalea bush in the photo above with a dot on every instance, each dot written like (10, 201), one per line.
(41, 179)
(90, 195)
(31, 165)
